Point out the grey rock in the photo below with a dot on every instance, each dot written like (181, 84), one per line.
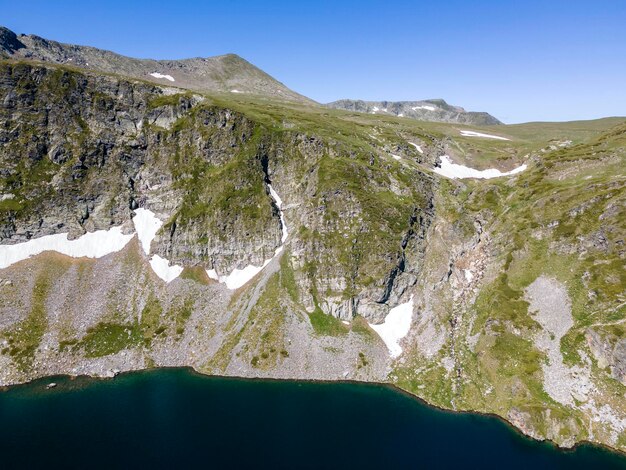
(426, 110)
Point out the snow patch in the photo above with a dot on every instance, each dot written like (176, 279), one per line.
(279, 203)
(479, 134)
(162, 268)
(453, 170)
(96, 245)
(397, 157)
(147, 225)
(426, 107)
(396, 326)
(161, 75)
(235, 91)
(417, 147)
(91, 245)
(240, 277)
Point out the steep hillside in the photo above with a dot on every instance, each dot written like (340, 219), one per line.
(426, 110)
(224, 74)
(257, 238)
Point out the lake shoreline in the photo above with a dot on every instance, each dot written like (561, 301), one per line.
(49, 379)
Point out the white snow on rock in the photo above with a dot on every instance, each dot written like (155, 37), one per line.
(454, 171)
(235, 91)
(160, 75)
(417, 147)
(162, 268)
(91, 245)
(96, 245)
(479, 134)
(240, 277)
(147, 225)
(397, 157)
(279, 203)
(396, 326)
(426, 107)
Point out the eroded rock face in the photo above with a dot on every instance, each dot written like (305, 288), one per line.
(81, 152)
(609, 351)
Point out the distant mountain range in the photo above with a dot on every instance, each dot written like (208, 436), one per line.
(427, 110)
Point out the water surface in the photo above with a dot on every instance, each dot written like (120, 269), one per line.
(174, 418)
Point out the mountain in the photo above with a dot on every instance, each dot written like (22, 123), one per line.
(478, 268)
(427, 110)
(222, 74)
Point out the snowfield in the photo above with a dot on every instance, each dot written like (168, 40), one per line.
(147, 225)
(162, 268)
(480, 134)
(160, 75)
(91, 245)
(427, 108)
(396, 326)
(454, 171)
(240, 277)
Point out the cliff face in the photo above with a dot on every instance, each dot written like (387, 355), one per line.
(514, 286)
(81, 152)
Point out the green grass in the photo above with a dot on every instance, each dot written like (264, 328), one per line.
(168, 100)
(327, 325)
(25, 337)
(196, 274)
(288, 279)
(109, 338)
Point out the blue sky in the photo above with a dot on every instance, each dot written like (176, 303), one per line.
(519, 60)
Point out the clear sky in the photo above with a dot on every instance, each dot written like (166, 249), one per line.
(519, 60)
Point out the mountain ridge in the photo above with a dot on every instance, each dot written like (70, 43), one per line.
(226, 73)
(436, 110)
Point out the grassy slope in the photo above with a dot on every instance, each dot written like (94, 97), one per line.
(583, 188)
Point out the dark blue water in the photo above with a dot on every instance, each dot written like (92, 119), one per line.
(175, 419)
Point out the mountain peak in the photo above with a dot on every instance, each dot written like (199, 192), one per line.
(9, 43)
(227, 73)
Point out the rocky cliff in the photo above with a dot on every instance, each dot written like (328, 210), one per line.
(354, 257)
